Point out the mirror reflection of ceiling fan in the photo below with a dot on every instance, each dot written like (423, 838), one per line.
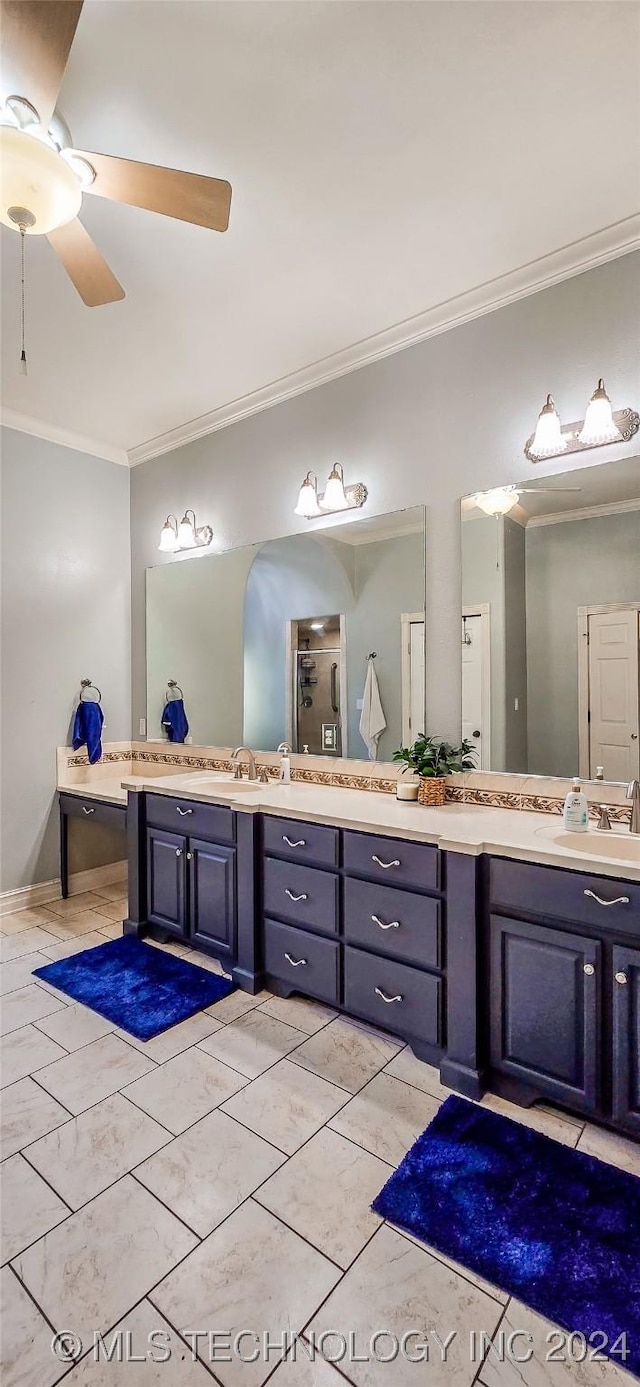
(502, 499)
(43, 178)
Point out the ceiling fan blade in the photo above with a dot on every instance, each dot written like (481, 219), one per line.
(190, 197)
(547, 490)
(85, 266)
(36, 39)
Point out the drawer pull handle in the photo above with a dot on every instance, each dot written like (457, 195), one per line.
(619, 900)
(299, 843)
(295, 962)
(87, 811)
(391, 924)
(383, 996)
(386, 865)
(302, 897)
(621, 978)
(182, 812)
(589, 969)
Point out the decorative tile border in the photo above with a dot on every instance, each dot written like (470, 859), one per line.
(456, 793)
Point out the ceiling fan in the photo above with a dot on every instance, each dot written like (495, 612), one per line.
(43, 177)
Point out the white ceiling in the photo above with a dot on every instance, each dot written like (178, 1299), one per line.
(615, 485)
(384, 157)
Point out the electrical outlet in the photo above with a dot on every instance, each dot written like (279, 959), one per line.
(142, 727)
(359, 704)
(516, 704)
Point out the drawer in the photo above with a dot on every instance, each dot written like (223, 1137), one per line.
(303, 960)
(604, 902)
(301, 894)
(417, 997)
(301, 842)
(398, 923)
(393, 861)
(212, 821)
(96, 811)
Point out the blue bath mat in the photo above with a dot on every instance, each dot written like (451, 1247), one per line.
(141, 989)
(555, 1227)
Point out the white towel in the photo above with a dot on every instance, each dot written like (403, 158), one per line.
(372, 718)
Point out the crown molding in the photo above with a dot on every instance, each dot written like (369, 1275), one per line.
(585, 513)
(52, 433)
(579, 256)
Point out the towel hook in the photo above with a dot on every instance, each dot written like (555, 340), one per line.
(373, 655)
(87, 684)
(173, 684)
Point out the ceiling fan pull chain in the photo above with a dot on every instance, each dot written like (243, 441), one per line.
(23, 354)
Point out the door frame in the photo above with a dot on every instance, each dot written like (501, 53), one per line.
(483, 610)
(596, 609)
(408, 619)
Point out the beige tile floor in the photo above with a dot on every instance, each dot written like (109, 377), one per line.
(219, 1178)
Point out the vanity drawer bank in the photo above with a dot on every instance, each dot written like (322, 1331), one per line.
(90, 809)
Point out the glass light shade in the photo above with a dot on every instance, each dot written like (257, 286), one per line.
(187, 531)
(34, 176)
(497, 502)
(334, 494)
(598, 424)
(307, 505)
(168, 537)
(548, 438)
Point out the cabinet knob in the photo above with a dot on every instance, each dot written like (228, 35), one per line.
(621, 978)
(589, 969)
(189, 856)
(178, 852)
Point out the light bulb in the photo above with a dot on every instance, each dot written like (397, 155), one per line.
(334, 494)
(548, 438)
(497, 502)
(307, 505)
(598, 424)
(187, 531)
(168, 536)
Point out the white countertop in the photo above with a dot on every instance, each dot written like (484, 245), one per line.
(466, 828)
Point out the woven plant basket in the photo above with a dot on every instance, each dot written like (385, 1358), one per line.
(432, 790)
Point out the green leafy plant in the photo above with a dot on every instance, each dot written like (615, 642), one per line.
(429, 757)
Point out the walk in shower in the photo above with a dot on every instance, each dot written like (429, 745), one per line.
(317, 673)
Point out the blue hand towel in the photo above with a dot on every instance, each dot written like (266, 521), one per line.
(174, 719)
(87, 728)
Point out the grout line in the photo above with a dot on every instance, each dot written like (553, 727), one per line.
(161, 1201)
(31, 1297)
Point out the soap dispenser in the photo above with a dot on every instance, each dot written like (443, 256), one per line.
(576, 810)
(285, 763)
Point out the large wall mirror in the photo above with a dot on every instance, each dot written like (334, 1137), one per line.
(274, 642)
(550, 634)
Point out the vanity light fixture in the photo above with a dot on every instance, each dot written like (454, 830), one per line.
(601, 425)
(175, 538)
(336, 496)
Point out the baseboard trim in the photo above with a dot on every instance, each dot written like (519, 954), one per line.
(26, 897)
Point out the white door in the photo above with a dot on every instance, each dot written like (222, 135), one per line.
(413, 677)
(472, 683)
(614, 691)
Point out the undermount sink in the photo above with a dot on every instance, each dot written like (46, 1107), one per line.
(221, 782)
(595, 844)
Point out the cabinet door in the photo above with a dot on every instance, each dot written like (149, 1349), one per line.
(626, 1038)
(213, 896)
(544, 1009)
(166, 880)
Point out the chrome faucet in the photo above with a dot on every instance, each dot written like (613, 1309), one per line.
(633, 793)
(235, 757)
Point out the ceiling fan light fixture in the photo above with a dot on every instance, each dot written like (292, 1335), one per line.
(599, 426)
(548, 439)
(497, 502)
(34, 176)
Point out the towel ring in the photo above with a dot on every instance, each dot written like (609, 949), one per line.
(86, 684)
(172, 685)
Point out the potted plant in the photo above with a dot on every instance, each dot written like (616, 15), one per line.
(432, 760)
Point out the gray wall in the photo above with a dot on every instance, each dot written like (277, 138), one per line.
(65, 615)
(426, 425)
(577, 564)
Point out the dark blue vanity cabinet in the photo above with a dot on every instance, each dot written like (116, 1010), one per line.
(356, 921)
(562, 969)
(184, 881)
